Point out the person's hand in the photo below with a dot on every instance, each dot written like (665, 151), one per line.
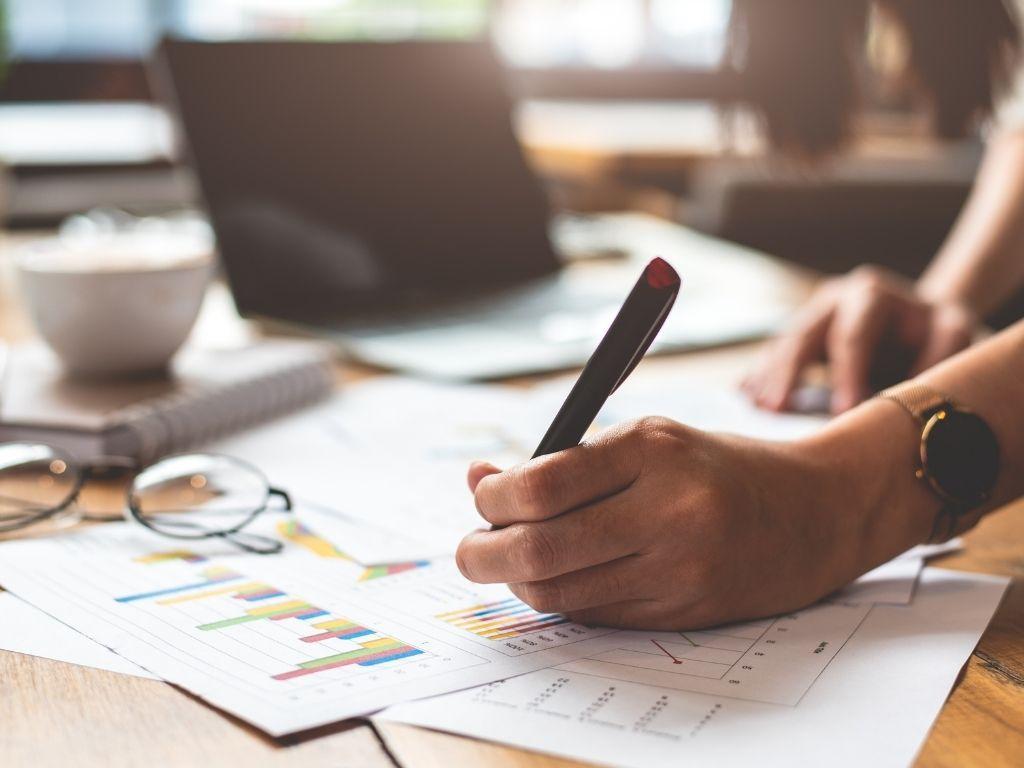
(872, 329)
(657, 526)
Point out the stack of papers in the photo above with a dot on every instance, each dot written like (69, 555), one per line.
(365, 611)
(751, 694)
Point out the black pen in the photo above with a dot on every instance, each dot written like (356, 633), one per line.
(620, 351)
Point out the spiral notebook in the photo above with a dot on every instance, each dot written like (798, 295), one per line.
(209, 394)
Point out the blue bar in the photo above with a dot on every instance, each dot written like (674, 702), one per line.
(355, 633)
(263, 597)
(386, 659)
(506, 605)
(172, 590)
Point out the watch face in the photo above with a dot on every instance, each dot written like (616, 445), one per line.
(960, 455)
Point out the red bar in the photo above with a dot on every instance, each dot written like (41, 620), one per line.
(346, 663)
(527, 628)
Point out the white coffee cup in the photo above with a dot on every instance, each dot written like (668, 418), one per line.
(119, 306)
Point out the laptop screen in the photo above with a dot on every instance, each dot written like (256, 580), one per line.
(351, 178)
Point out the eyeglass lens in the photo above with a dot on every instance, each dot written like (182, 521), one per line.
(198, 495)
(35, 481)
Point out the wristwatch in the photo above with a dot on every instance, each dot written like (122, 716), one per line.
(959, 456)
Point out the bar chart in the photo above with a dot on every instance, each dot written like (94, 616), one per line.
(209, 577)
(371, 648)
(292, 641)
(487, 615)
(183, 555)
(502, 620)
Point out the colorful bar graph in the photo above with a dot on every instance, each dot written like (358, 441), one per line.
(211, 576)
(338, 628)
(371, 653)
(290, 609)
(369, 648)
(501, 620)
(297, 533)
(178, 554)
(257, 592)
(380, 571)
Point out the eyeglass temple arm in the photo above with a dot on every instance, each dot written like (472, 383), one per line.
(284, 496)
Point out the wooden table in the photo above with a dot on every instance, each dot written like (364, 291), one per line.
(56, 714)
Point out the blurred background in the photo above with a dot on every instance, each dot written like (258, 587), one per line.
(623, 105)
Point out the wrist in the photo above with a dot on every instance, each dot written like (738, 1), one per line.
(942, 296)
(864, 464)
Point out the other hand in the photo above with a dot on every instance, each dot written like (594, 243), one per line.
(873, 330)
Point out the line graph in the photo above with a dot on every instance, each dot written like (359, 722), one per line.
(774, 660)
(708, 654)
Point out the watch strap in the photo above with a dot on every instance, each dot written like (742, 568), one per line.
(916, 399)
(951, 521)
(921, 403)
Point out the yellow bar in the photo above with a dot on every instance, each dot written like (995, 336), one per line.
(279, 608)
(315, 544)
(504, 636)
(382, 642)
(462, 611)
(207, 593)
(159, 557)
(334, 624)
(475, 626)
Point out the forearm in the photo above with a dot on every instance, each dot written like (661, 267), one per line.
(868, 457)
(981, 264)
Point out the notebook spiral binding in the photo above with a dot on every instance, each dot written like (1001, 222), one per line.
(202, 414)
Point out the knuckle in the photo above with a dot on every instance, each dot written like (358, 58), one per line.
(544, 597)
(847, 331)
(537, 552)
(536, 489)
(656, 428)
(868, 277)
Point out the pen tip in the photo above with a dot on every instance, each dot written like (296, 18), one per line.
(660, 275)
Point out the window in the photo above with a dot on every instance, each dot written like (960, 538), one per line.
(531, 33)
(613, 33)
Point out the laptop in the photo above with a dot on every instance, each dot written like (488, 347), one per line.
(376, 193)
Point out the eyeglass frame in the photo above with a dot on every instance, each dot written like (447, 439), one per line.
(131, 512)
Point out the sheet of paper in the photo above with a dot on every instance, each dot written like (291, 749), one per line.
(291, 641)
(25, 629)
(891, 583)
(394, 452)
(712, 409)
(871, 703)
(927, 551)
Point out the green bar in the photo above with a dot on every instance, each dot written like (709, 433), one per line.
(350, 655)
(264, 613)
(228, 622)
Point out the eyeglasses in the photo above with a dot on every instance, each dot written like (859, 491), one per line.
(188, 496)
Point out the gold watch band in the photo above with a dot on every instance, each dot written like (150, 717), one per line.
(916, 399)
(921, 402)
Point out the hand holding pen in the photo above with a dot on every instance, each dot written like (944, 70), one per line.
(653, 525)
